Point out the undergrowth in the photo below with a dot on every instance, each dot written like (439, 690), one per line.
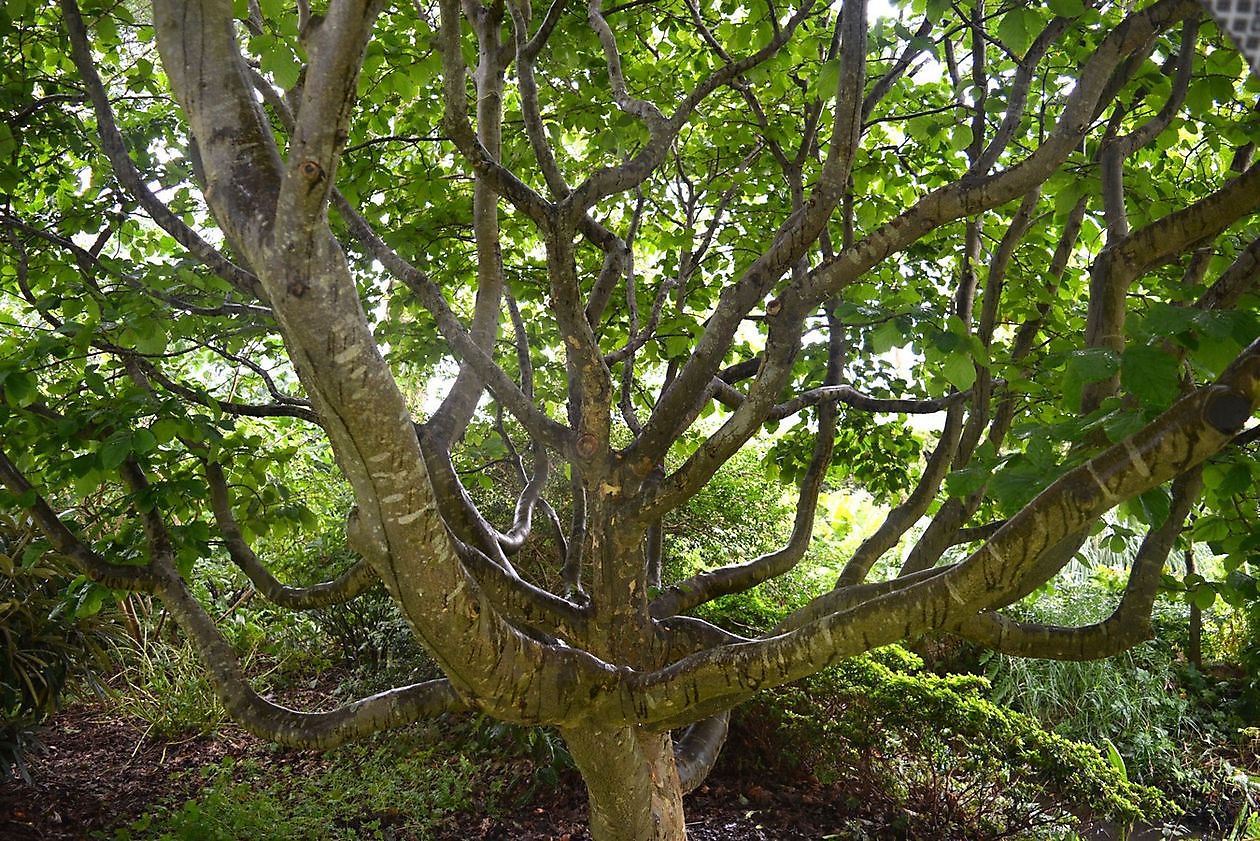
(53, 637)
(1166, 721)
(927, 756)
(398, 785)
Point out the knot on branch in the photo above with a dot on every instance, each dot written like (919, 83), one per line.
(311, 171)
(1226, 411)
(587, 445)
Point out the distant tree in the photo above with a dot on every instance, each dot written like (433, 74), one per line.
(693, 221)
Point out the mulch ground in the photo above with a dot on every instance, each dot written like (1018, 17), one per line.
(100, 772)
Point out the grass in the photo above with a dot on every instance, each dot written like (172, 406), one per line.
(1142, 706)
(167, 689)
(397, 785)
(1131, 700)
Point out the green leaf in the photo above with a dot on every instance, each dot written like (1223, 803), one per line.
(143, 441)
(282, 63)
(8, 142)
(152, 340)
(1018, 28)
(19, 389)
(1203, 596)
(967, 481)
(1166, 320)
(1092, 364)
(114, 451)
(1121, 424)
(1017, 483)
(959, 370)
(676, 346)
(960, 138)
(1151, 375)
(165, 430)
(1116, 760)
(828, 81)
(1066, 8)
(1084, 366)
(1210, 528)
(90, 600)
(1156, 504)
(886, 337)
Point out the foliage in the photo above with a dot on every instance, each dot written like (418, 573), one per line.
(933, 757)
(738, 514)
(1170, 726)
(372, 637)
(53, 636)
(1131, 700)
(541, 747)
(1247, 653)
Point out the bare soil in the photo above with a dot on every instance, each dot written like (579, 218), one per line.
(101, 772)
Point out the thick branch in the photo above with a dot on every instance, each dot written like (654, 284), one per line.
(1193, 429)
(1128, 625)
(344, 587)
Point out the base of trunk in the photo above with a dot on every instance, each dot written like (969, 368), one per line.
(631, 783)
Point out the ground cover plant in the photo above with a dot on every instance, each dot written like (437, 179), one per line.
(925, 756)
(271, 268)
(51, 638)
(1169, 724)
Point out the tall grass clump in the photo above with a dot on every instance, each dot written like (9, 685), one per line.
(1133, 706)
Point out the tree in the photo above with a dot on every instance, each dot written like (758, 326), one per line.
(643, 234)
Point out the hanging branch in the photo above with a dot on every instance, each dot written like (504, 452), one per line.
(125, 169)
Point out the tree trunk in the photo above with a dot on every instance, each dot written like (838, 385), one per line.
(631, 784)
(1194, 647)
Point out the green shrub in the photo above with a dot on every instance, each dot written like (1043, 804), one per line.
(930, 757)
(1165, 721)
(374, 639)
(52, 634)
(1247, 650)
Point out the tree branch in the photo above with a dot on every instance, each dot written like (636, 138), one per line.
(355, 580)
(1193, 429)
(65, 542)
(1128, 625)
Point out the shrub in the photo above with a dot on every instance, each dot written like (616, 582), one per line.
(1163, 719)
(929, 757)
(52, 634)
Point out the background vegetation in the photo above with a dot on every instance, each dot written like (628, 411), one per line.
(949, 742)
